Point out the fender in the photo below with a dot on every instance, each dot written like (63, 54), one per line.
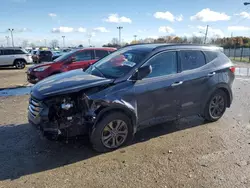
(100, 108)
(225, 88)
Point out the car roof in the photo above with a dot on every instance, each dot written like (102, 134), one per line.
(10, 48)
(97, 48)
(163, 46)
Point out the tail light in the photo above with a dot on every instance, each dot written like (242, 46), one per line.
(232, 69)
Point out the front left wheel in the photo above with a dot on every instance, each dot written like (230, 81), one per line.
(111, 132)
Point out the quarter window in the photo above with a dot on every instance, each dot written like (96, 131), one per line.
(19, 52)
(163, 64)
(83, 55)
(100, 54)
(192, 59)
(210, 55)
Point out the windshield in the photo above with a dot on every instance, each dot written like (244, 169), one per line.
(64, 56)
(118, 63)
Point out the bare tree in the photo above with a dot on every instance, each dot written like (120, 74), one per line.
(197, 40)
(32, 45)
(25, 43)
(114, 41)
(54, 43)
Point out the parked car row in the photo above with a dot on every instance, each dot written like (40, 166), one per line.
(76, 59)
(128, 90)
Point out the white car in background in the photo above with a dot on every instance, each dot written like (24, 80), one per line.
(17, 57)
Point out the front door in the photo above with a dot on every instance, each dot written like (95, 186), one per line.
(158, 95)
(7, 57)
(82, 60)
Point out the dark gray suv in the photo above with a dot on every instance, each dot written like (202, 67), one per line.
(133, 88)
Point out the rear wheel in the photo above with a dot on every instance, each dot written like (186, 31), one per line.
(111, 132)
(20, 64)
(216, 106)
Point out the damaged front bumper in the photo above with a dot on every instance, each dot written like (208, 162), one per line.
(38, 115)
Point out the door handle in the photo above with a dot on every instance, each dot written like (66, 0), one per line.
(177, 83)
(211, 74)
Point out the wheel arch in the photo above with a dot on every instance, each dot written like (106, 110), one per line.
(102, 111)
(22, 59)
(225, 88)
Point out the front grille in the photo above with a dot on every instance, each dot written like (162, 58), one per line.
(35, 107)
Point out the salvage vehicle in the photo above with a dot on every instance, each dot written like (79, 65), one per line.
(76, 59)
(133, 88)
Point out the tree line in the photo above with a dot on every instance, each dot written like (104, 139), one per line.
(226, 42)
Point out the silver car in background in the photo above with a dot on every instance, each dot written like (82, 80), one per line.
(17, 57)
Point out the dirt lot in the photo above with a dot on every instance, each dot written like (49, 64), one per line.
(188, 153)
(11, 77)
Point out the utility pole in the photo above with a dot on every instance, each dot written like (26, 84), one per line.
(135, 37)
(7, 40)
(120, 28)
(11, 32)
(205, 40)
(63, 41)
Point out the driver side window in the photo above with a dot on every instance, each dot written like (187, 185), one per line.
(163, 64)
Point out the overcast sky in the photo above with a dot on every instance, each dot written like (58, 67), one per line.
(37, 20)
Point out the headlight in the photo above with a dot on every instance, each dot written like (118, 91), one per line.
(40, 69)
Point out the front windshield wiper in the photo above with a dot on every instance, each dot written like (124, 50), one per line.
(91, 68)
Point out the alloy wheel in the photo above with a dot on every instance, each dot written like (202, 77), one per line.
(217, 106)
(114, 134)
(20, 64)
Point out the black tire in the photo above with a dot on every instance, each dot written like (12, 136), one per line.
(214, 111)
(96, 136)
(20, 64)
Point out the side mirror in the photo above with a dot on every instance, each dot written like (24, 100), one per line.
(142, 72)
(73, 59)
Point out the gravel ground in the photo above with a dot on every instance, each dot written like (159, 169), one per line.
(11, 77)
(188, 153)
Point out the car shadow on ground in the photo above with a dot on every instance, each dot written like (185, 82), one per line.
(24, 152)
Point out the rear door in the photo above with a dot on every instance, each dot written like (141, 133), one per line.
(2, 62)
(196, 75)
(7, 57)
(82, 60)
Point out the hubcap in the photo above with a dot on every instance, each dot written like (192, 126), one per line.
(217, 106)
(114, 134)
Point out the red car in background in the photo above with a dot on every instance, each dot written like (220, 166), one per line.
(81, 58)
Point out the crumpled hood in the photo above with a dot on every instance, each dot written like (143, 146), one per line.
(68, 82)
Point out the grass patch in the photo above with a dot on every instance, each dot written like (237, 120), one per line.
(238, 59)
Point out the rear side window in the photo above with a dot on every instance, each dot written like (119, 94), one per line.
(1, 53)
(210, 55)
(101, 53)
(8, 52)
(192, 59)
